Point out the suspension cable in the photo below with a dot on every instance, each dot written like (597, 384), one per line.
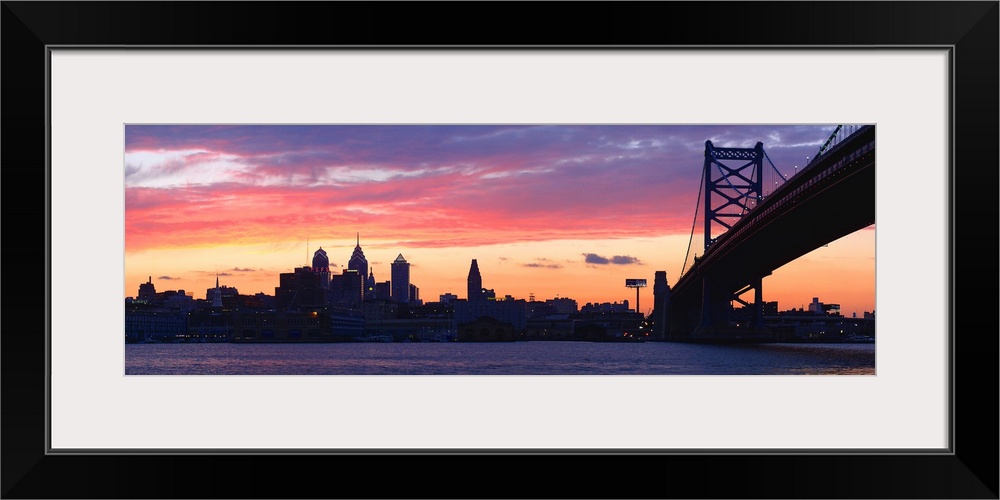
(742, 195)
(697, 204)
(774, 167)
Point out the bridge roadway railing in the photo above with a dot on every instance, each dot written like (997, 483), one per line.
(817, 172)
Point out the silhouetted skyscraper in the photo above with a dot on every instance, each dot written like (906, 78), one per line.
(400, 280)
(359, 263)
(661, 304)
(321, 264)
(146, 290)
(475, 283)
(299, 290)
(345, 289)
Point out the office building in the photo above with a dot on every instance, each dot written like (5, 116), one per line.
(300, 290)
(147, 291)
(345, 289)
(383, 290)
(400, 280)
(475, 289)
(321, 264)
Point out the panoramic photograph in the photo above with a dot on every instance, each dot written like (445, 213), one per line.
(481, 249)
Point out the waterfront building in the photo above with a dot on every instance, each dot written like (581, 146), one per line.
(486, 329)
(277, 326)
(377, 311)
(400, 280)
(606, 307)
(422, 329)
(346, 324)
(214, 324)
(145, 322)
(608, 324)
(414, 295)
(359, 263)
(321, 264)
(563, 305)
(327, 325)
(549, 326)
(475, 283)
(514, 312)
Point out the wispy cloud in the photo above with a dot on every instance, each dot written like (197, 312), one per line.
(542, 264)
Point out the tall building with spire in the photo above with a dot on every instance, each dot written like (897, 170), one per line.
(321, 264)
(475, 283)
(370, 286)
(400, 280)
(359, 263)
(217, 294)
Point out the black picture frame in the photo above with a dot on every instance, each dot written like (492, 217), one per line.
(969, 28)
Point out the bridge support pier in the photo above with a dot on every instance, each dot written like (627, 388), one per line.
(758, 302)
(718, 323)
(706, 305)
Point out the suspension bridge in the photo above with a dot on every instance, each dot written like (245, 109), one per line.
(757, 219)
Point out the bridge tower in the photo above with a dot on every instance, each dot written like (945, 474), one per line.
(738, 190)
(733, 187)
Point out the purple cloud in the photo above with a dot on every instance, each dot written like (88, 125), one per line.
(593, 258)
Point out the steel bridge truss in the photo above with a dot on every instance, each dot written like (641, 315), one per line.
(737, 189)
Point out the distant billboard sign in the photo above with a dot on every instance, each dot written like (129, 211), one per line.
(635, 283)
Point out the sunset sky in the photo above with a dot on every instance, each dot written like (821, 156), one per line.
(549, 211)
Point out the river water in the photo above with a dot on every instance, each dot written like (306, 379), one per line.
(501, 358)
